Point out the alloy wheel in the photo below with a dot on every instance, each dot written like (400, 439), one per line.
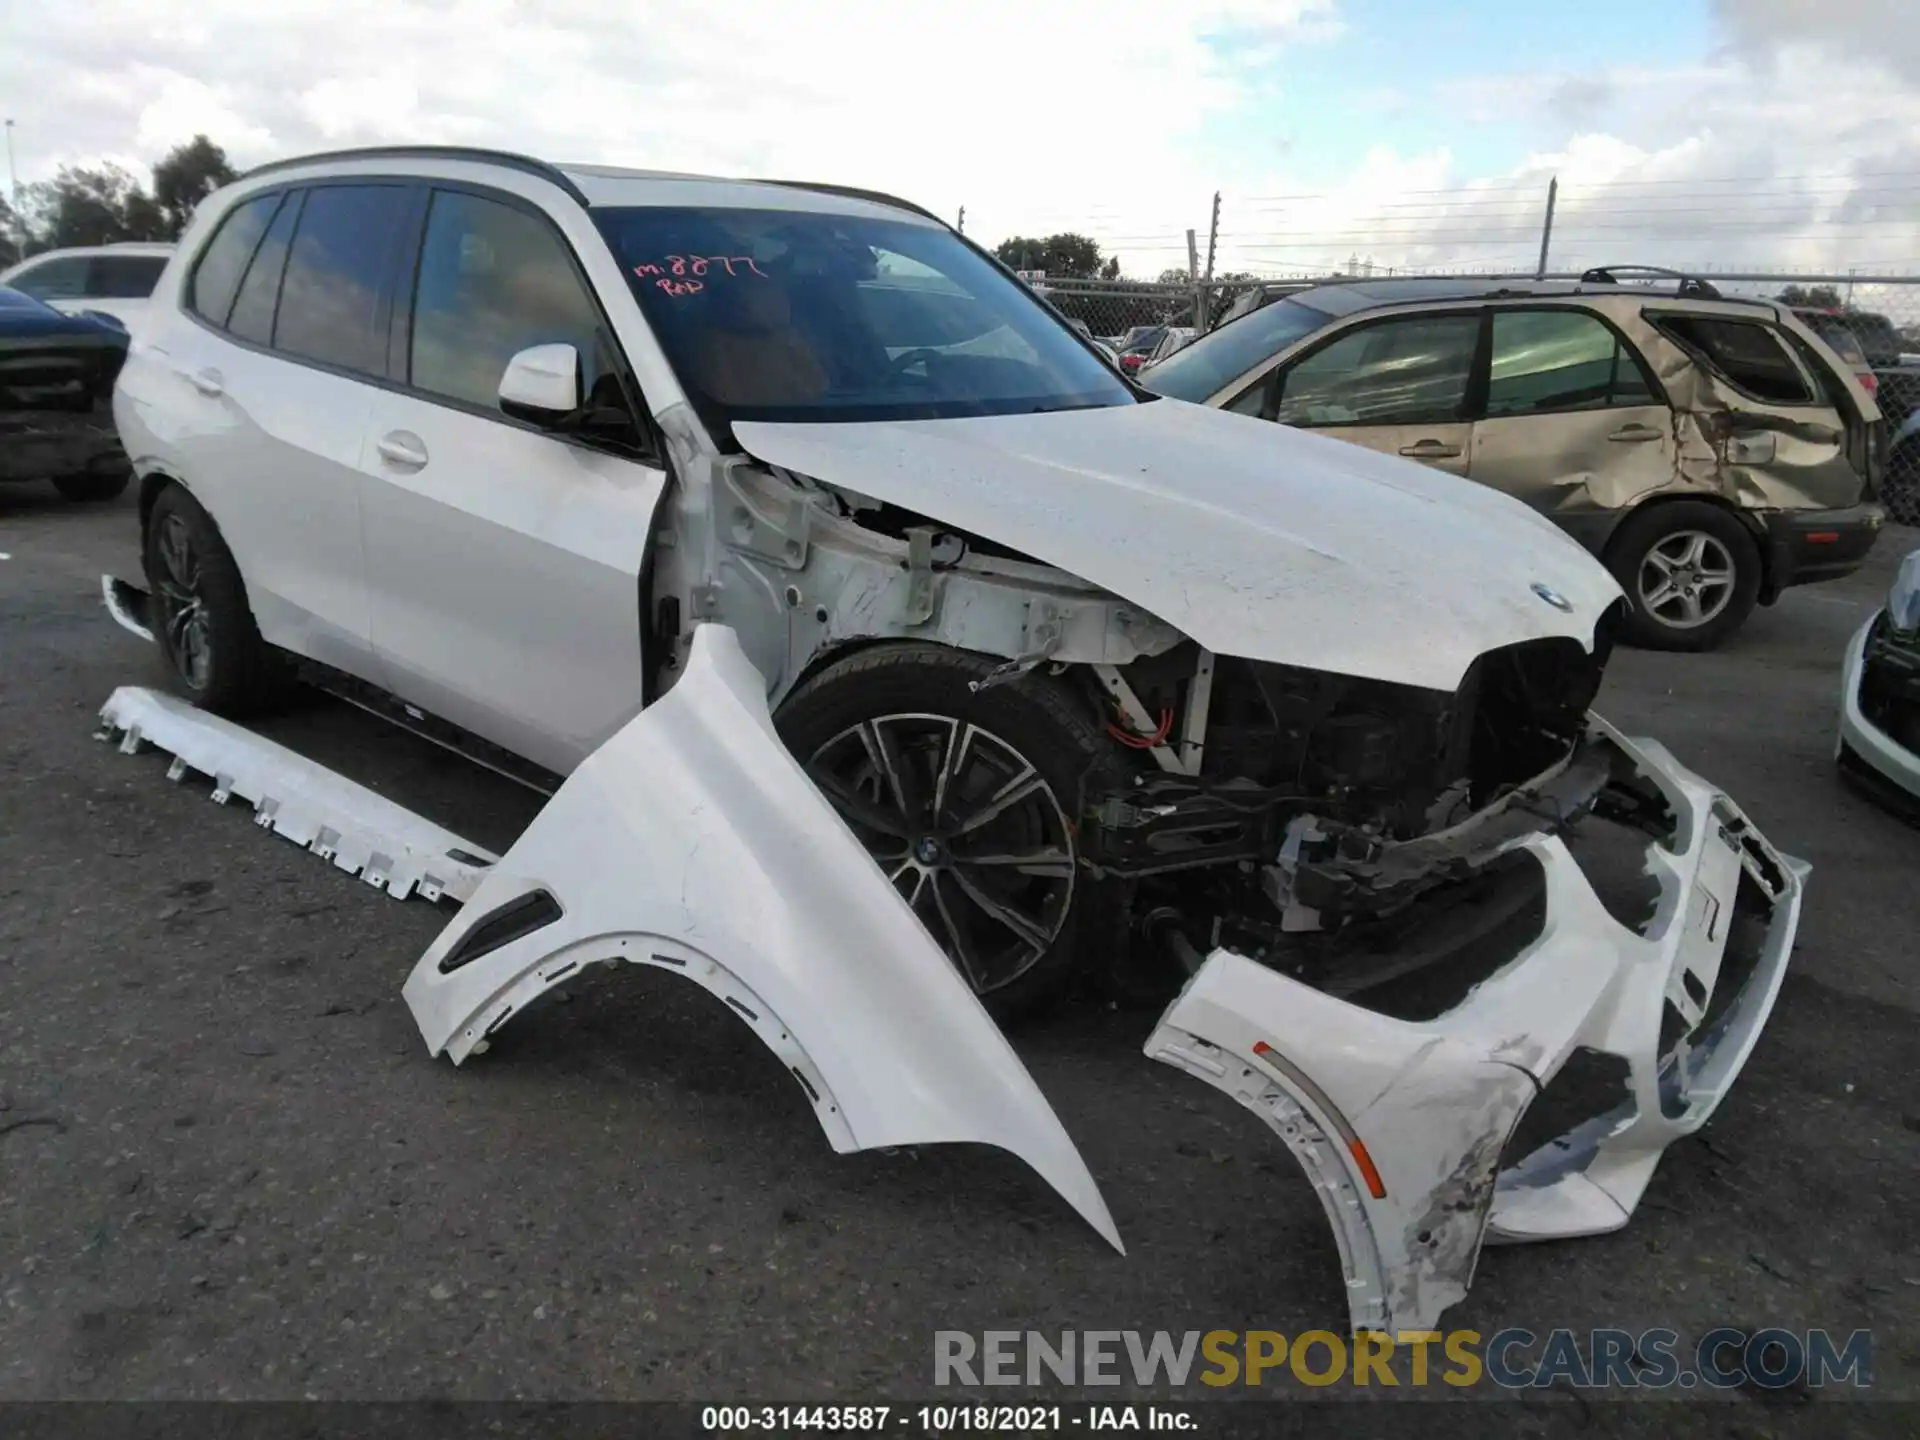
(967, 829)
(183, 609)
(1687, 579)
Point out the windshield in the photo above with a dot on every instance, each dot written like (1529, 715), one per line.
(1200, 370)
(791, 315)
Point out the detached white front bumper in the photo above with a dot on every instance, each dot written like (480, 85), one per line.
(1403, 1125)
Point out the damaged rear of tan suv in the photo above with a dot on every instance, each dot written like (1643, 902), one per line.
(1712, 451)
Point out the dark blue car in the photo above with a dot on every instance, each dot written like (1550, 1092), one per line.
(56, 398)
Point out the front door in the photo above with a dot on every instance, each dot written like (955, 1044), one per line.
(1397, 385)
(504, 560)
(1572, 421)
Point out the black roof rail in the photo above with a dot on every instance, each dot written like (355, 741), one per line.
(507, 158)
(1691, 287)
(851, 192)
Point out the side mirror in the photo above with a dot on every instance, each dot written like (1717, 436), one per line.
(541, 384)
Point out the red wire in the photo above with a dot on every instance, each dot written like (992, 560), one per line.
(1144, 742)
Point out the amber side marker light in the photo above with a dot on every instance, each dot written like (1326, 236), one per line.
(1356, 1147)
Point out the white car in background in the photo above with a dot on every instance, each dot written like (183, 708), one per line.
(114, 280)
(892, 657)
(1880, 696)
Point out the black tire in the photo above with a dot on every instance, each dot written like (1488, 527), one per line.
(1900, 490)
(199, 612)
(92, 487)
(911, 704)
(1697, 610)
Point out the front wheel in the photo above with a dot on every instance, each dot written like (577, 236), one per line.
(967, 799)
(1691, 572)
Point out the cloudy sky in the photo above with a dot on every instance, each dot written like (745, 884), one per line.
(1734, 133)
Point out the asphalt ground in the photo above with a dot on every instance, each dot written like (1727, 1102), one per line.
(228, 1169)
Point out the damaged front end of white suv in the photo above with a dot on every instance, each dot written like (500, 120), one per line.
(1475, 957)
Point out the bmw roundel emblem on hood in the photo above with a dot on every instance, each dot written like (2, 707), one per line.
(1553, 597)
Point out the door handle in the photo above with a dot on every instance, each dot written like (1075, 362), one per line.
(402, 449)
(1430, 450)
(207, 382)
(1632, 433)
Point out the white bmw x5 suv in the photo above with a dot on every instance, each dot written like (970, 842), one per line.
(903, 656)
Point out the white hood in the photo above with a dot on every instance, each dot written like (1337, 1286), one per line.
(1255, 539)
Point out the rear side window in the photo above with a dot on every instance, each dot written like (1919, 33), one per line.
(330, 295)
(224, 261)
(124, 277)
(252, 317)
(1554, 360)
(62, 279)
(1397, 372)
(1747, 354)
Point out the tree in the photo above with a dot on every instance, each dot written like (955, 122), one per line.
(102, 204)
(82, 206)
(12, 234)
(189, 174)
(1064, 256)
(1820, 297)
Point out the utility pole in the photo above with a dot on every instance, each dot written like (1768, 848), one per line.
(1193, 275)
(1213, 235)
(1546, 230)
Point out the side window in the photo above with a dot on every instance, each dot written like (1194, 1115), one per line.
(124, 277)
(1397, 372)
(1746, 353)
(494, 280)
(61, 279)
(1549, 360)
(1253, 399)
(253, 308)
(224, 261)
(330, 295)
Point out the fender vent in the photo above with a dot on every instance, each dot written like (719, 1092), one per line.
(513, 921)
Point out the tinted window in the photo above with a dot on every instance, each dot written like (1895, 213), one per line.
(224, 261)
(329, 297)
(1834, 330)
(813, 316)
(1748, 354)
(124, 277)
(1217, 359)
(252, 317)
(494, 280)
(62, 279)
(1400, 372)
(1545, 360)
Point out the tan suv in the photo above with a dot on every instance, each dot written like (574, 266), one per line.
(1711, 451)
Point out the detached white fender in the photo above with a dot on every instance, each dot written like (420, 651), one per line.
(693, 842)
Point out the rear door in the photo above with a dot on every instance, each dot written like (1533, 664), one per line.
(273, 389)
(1762, 396)
(1572, 420)
(1398, 385)
(505, 559)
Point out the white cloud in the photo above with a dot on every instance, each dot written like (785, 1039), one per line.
(1003, 104)
(1039, 117)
